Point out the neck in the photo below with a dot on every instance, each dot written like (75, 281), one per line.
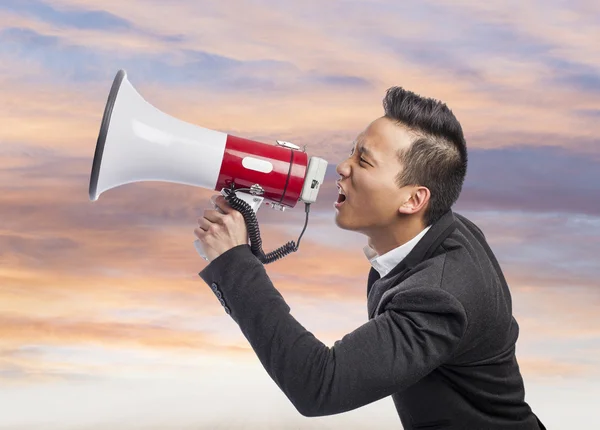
(389, 238)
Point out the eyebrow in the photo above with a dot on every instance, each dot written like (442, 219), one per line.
(366, 151)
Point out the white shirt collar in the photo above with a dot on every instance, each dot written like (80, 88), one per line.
(386, 262)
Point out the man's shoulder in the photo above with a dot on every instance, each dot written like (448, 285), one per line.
(456, 256)
(457, 264)
(462, 265)
(455, 267)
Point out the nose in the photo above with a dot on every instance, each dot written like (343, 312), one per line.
(342, 168)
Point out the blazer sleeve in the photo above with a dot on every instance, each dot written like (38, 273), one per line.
(419, 330)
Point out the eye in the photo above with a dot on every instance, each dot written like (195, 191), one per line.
(363, 160)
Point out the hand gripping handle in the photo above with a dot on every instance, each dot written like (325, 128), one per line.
(252, 200)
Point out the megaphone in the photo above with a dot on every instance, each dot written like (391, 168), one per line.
(137, 142)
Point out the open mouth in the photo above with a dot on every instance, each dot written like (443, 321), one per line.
(341, 198)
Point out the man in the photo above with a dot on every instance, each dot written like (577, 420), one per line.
(440, 337)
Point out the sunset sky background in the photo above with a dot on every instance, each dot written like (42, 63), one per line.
(104, 322)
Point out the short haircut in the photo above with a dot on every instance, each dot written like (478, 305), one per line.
(437, 157)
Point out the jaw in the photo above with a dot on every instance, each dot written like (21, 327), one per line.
(341, 218)
(368, 225)
(347, 219)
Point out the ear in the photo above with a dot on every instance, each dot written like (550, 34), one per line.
(416, 201)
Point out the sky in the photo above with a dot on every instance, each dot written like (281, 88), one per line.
(104, 322)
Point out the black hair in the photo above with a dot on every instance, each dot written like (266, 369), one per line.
(437, 157)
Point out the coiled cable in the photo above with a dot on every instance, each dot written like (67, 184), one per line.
(254, 230)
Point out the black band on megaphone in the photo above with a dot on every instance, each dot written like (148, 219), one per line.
(108, 109)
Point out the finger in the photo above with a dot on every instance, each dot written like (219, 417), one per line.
(205, 231)
(212, 215)
(203, 224)
(199, 233)
(231, 219)
(210, 220)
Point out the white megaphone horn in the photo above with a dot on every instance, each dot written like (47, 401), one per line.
(137, 142)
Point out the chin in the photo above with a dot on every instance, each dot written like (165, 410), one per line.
(341, 223)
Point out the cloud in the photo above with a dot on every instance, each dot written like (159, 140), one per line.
(581, 77)
(526, 247)
(49, 220)
(64, 331)
(342, 81)
(555, 30)
(128, 258)
(594, 113)
(83, 19)
(288, 77)
(94, 292)
(538, 179)
(78, 63)
(541, 367)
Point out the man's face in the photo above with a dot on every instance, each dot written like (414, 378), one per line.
(368, 179)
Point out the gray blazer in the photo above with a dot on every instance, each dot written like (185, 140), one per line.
(440, 338)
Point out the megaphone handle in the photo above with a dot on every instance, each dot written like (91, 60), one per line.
(252, 200)
(197, 243)
(200, 250)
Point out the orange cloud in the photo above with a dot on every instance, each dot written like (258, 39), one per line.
(32, 330)
(93, 263)
(556, 28)
(122, 272)
(542, 367)
(45, 112)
